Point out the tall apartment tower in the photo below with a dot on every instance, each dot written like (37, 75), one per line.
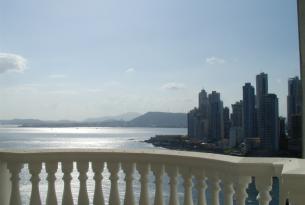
(261, 87)
(248, 111)
(226, 122)
(216, 127)
(236, 132)
(270, 123)
(195, 128)
(261, 91)
(198, 119)
(294, 105)
(203, 103)
(236, 115)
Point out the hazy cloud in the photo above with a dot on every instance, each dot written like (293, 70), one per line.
(130, 70)
(173, 86)
(112, 83)
(215, 60)
(64, 92)
(94, 90)
(12, 62)
(57, 76)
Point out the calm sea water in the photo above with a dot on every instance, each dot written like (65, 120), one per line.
(106, 138)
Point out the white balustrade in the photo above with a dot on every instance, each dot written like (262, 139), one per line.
(207, 171)
(188, 184)
(158, 170)
(67, 168)
(114, 198)
(82, 168)
(35, 168)
(98, 168)
(15, 168)
(214, 182)
(51, 168)
(241, 184)
(264, 186)
(143, 169)
(201, 186)
(227, 181)
(129, 168)
(172, 172)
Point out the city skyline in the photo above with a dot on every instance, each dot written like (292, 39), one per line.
(58, 62)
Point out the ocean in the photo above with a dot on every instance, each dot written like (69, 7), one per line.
(103, 138)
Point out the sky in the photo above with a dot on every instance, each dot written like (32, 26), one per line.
(75, 59)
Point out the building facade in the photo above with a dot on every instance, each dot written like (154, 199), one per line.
(248, 111)
(270, 123)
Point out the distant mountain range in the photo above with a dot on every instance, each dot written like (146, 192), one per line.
(149, 119)
(123, 117)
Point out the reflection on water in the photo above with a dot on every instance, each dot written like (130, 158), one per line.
(104, 138)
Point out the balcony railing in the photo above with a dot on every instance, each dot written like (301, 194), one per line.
(199, 171)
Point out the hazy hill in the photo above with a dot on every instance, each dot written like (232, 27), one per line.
(150, 119)
(160, 119)
(20, 121)
(123, 117)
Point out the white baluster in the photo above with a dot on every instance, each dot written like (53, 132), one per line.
(241, 184)
(98, 168)
(158, 170)
(114, 198)
(128, 169)
(172, 172)
(264, 186)
(215, 188)
(5, 184)
(228, 190)
(35, 169)
(67, 168)
(187, 182)
(292, 186)
(143, 169)
(15, 169)
(51, 168)
(82, 168)
(201, 187)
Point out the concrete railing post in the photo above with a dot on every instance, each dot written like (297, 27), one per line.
(5, 184)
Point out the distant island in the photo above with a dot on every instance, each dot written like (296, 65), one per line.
(149, 119)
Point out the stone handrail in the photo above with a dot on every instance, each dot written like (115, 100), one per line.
(229, 173)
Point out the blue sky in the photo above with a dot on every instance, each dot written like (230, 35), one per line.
(73, 59)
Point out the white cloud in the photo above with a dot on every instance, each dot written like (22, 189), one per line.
(173, 86)
(130, 70)
(215, 60)
(57, 76)
(12, 62)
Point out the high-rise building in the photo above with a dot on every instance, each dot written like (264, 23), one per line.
(216, 127)
(236, 115)
(294, 104)
(248, 111)
(261, 91)
(236, 134)
(270, 123)
(203, 103)
(198, 119)
(261, 87)
(226, 122)
(283, 142)
(195, 127)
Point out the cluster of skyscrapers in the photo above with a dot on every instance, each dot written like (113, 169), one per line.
(254, 121)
